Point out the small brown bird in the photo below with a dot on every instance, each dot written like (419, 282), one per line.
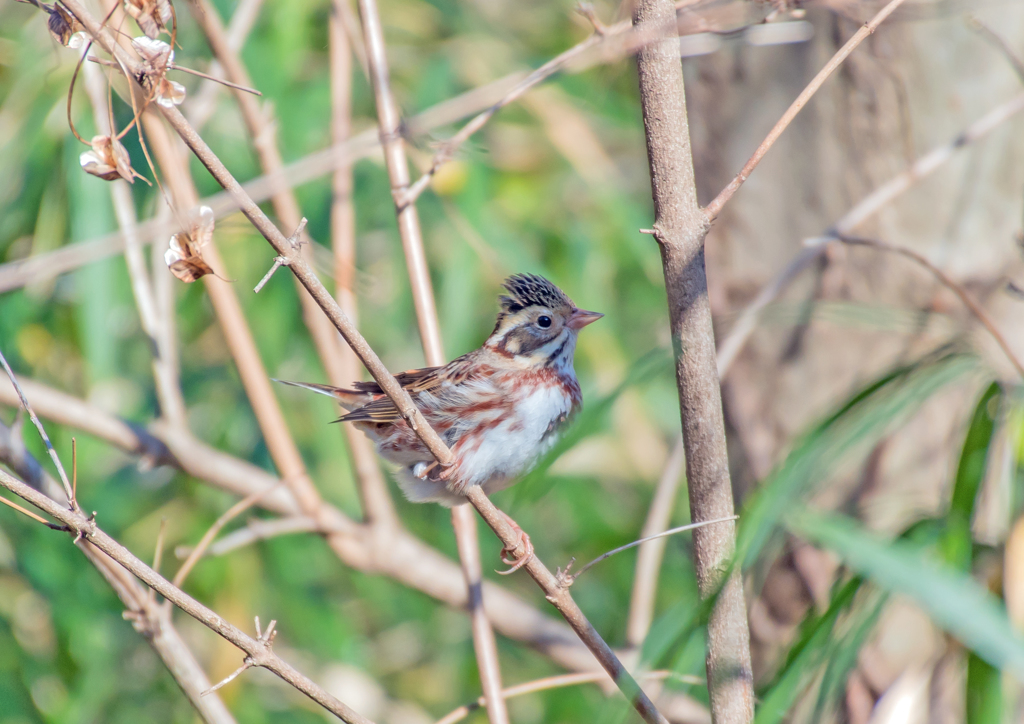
(498, 408)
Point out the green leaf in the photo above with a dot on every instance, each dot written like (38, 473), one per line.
(956, 541)
(984, 692)
(806, 655)
(857, 424)
(952, 598)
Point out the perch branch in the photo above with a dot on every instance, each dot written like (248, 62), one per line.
(463, 523)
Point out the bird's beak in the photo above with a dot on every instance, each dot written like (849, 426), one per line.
(580, 318)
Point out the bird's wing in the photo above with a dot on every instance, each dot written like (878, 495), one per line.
(425, 382)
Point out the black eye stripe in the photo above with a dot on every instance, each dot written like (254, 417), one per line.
(544, 321)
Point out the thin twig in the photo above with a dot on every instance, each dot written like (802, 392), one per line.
(262, 655)
(149, 619)
(378, 508)
(571, 577)
(558, 682)
(713, 209)
(230, 514)
(858, 214)
(229, 84)
(68, 490)
(463, 522)
(33, 516)
(976, 309)
(999, 42)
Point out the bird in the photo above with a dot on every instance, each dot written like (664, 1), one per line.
(498, 408)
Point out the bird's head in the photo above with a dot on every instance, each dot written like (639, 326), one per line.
(538, 323)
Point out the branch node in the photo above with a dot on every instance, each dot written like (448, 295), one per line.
(587, 10)
(563, 577)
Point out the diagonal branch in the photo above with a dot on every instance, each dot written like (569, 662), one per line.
(463, 522)
(713, 209)
(857, 215)
(969, 301)
(151, 620)
(84, 527)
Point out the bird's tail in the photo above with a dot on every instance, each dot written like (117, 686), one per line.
(349, 399)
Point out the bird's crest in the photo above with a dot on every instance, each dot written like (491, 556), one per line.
(527, 290)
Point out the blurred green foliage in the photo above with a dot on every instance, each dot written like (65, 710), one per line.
(513, 201)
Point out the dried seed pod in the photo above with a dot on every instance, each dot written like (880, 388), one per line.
(158, 58)
(65, 28)
(185, 256)
(153, 16)
(108, 159)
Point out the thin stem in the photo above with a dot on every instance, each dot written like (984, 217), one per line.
(229, 84)
(972, 305)
(30, 514)
(463, 522)
(858, 214)
(373, 490)
(230, 514)
(656, 536)
(68, 490)
(713, 209)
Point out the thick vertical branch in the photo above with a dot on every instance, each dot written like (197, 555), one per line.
(680, 228)
(463, 520)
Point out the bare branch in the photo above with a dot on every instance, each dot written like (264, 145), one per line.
(861, 212)
(713, 209)
(463, 522)
(258, 650)
(680, 229)
(68, 491)
(976, 309)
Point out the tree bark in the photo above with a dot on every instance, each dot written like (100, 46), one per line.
(680, 229)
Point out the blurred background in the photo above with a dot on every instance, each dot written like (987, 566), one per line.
(856, 389)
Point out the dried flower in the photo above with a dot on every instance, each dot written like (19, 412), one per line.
(65, 28)
(153, 16)
(185, 256)
(158, 58)
(108, 159)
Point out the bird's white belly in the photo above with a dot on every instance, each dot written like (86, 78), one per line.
(519, 438)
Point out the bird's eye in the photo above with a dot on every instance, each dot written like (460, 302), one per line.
(544, 321)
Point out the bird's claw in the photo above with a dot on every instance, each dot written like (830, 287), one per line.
(508, 553)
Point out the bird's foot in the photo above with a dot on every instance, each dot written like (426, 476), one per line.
(509, 555)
